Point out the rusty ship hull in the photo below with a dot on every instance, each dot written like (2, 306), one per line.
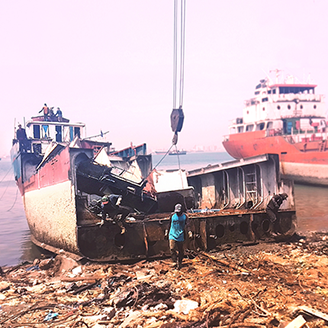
(61, 182)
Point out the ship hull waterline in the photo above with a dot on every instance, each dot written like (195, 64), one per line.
(302, 164)
(56, 199)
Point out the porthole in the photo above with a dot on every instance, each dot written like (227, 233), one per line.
(219, 230)
(278, 107)
(288, 106)
(263, 109)
(314, 106)
(301, 106)
(247, 112)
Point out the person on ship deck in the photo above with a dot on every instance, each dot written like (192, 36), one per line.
(113, 210)
(59, 115)
(22, 138)
(45, 110)
(52, 115)
(272, 211)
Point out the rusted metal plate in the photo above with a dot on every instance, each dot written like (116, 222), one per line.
(231, 200)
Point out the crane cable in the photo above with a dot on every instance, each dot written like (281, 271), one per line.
(177, 116)
(182, 50)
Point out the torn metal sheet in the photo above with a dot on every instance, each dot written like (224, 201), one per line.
(64, 193)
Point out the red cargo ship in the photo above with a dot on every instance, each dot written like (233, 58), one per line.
(287, 119)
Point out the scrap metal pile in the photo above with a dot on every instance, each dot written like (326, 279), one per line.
(268, 284)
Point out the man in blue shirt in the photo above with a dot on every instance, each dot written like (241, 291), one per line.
(178, 223)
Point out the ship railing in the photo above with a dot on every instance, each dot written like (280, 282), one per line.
(307, 136)
(273, 132)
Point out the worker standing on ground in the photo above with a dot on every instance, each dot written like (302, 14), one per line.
(273, 208)
(178, 224)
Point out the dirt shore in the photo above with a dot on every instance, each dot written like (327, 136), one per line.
(269, 284)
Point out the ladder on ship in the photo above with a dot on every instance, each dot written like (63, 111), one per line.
(323, 145)
(253, 186)
(251, 189)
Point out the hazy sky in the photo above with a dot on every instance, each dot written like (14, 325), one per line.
(110, 63)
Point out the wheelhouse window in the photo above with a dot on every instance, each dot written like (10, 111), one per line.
(77, 131)
(74, 131)
(59, 134)
(260, 126)
(45, 131)
(249, 127)
(240, 129)
(296, 90)
(36, 132)
(265, 99)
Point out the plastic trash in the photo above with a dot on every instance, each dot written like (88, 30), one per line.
(50, 316)
(77, 270)
(32, 268)
(185, 306)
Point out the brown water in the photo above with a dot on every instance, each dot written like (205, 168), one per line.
(311, 208)
(16, 247)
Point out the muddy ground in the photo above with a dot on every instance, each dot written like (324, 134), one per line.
(269, 284)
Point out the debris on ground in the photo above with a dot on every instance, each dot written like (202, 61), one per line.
(269, 284)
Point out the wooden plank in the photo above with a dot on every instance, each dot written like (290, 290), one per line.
(297, 323)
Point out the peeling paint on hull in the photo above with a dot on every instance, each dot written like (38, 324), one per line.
(58, 190)
(51, 215)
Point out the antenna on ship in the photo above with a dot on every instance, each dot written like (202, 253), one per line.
(177, 115)
(277, 71)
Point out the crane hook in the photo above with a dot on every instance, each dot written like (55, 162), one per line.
(177, 118)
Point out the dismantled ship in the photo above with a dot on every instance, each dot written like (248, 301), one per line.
(63, 177)
(285, 118)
